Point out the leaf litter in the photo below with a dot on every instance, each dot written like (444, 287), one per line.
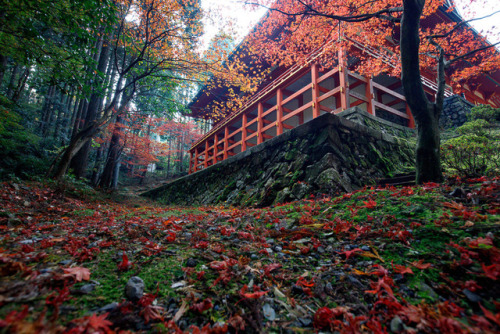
(411, 259)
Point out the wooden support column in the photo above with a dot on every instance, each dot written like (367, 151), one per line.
(195, 162)
(315, 90)
(226, 141)
(370, 107)
(411, 120)
(244, 120)
(190, 162)
(279, 112)
(260, 123)
(344, 82)
(205, 163)
(216, 143)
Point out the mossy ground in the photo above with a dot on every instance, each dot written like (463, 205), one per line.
(412, 249)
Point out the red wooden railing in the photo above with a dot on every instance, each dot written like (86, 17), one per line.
(259, 121)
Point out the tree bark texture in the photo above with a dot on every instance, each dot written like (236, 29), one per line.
(112, 159)
(426, 113)
(80, 160)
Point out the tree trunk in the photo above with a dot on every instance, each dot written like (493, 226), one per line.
(12, 81)
(47, 110)
(114, 152)
(21, 84)
(74, 146)
(426, 113)
(95, 171)
(80, 160)
(3, 67)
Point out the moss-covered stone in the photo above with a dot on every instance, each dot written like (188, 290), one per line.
(325, 155)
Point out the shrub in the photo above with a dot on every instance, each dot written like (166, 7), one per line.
(485, 112)
(19, 148)
(476, 152)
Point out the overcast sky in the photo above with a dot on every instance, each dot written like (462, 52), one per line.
(243, 20)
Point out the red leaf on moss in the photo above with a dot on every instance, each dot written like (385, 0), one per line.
(78, 273)
(420, 264)
(125, 264)
(202, 306)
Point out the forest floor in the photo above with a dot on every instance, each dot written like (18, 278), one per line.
(413, 259)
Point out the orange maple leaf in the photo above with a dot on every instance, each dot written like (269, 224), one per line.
(78, 273)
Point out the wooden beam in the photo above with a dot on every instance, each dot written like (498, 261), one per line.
(267, 136)
(279, 112)
(205, 163)
(411, 120)
(244, 120)
(216, 144)
(190, 171)
(315, 89)
(260, 123)
(370, 108)
(226, 139)
(344, 82)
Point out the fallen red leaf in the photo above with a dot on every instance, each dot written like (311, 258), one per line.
(125, 264)
(78, 273)
(420, 264)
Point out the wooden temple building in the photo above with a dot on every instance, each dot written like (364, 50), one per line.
(295, 95)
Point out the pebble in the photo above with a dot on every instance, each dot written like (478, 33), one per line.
(269, 312)
(65, 262)
(108, 307)
(397, 325)
(26, 242)
(254, 256)
(178, 285)
(86, 289)
(191, 263)
(471, 296)
(306, 322)
(134, 288)
(270, 241)
(278, 248)
(365, 248)
(188, 235)
(355, 281)
(321, 250)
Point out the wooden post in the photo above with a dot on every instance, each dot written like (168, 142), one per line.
(315, 90)
(370, 107)
(244, 120)
(216, 143)
(226, 141)
(205, 163)
(190, 162)
(411, 121)
(195, 163)
(279, 112)
(344, 82)
(260, 123)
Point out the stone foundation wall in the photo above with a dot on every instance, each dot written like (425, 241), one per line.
(455, 111)
(327, 155)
